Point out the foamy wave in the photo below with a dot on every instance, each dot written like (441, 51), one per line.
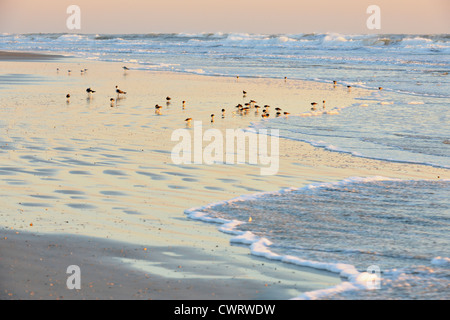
(415, 102)
(441, 261)
(261, 247)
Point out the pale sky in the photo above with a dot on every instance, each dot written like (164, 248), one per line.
(250, 16)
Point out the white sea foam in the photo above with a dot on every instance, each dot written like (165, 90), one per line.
(415, 102)
(260, 246)
(441, 261)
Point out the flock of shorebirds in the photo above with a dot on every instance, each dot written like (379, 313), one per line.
(240, 109)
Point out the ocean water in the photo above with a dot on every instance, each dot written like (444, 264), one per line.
(402, 227)
(345, 227)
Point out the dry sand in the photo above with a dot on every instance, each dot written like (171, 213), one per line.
(88, 184)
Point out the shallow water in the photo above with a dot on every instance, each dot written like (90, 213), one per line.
(403, 227)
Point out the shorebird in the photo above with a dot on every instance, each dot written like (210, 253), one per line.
(324, 103)
(257, 108)
(212, 118)
(119, 92)
(90, 91)
(68, 98)
(223, 113)
(188, 121)
(278, 114)
(112, 102)
(168, 98)
(125, 68)
(286, 113)
(158, 109)
(334, 83)
(184, 104)
(244, 93)
(349, 88)
(278, 109)
(380, 88)
(313, 106)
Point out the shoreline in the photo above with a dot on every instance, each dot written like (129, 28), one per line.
(162, 213)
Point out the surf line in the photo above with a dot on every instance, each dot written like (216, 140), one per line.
(228, 148)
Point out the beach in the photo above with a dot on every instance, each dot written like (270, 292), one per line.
(90, 184)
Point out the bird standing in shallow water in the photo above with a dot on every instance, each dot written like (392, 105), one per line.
(119, 92)
(90, 91)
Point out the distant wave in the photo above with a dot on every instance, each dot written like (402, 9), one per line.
(331, 40)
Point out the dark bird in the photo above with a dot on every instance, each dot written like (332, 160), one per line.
(89, 90)
(125, 68)
(119, 91)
